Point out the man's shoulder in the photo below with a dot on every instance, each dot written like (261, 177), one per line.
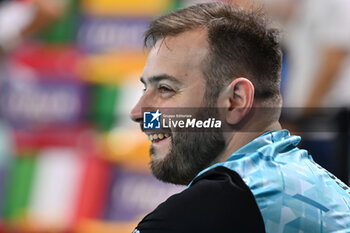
(214, 188)
(217, 201)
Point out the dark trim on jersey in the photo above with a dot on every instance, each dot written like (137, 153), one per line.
(217, 201)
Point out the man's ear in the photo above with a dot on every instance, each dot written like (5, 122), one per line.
(237, 99)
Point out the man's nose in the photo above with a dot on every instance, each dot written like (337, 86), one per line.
(136, 112)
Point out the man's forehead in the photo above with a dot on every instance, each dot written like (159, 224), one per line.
(191, 41)
(175, 54)
(183, 47)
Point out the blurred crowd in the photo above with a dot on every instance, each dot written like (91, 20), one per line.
(69, 73)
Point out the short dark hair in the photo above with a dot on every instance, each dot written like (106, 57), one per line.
(240, 45)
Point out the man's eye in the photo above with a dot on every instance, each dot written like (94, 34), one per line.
(164, 89)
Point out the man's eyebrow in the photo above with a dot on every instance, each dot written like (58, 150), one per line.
(157, 78)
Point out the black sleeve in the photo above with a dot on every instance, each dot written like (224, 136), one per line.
(218, 201)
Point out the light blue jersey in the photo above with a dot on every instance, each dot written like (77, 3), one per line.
(294, 194)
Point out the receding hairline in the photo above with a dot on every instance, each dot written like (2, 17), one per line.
(200, 40)
(151, 41)
(188, 19)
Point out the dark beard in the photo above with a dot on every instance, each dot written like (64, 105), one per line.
(190, 153)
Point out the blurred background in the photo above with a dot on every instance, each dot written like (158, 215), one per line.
(71, 160)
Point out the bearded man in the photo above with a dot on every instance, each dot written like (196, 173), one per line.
(249, 176)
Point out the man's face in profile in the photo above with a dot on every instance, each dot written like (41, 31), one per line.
(173, 79)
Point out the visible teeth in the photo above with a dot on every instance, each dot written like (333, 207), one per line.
(158, 136)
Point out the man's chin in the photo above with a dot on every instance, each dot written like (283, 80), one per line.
(160, 170)
(157, 156)
(165, 167)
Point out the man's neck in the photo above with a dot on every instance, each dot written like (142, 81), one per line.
(241, 138)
